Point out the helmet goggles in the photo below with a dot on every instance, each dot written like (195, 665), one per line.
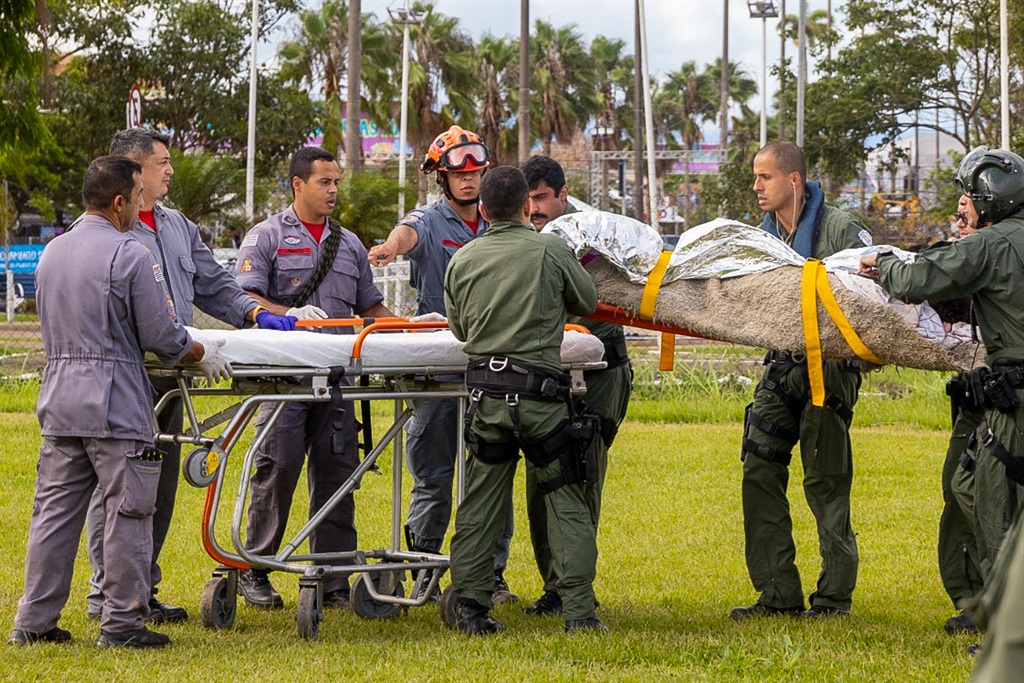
(469, 156)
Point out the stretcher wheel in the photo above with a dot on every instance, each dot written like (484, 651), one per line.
(368, 608)
(310, 612)
(217, 606)
(195, 468)
(449, 615)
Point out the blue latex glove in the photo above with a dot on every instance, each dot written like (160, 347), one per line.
(265, 320)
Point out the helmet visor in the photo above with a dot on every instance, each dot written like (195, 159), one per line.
(469, 156)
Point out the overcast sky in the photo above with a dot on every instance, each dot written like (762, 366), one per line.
(677, 30)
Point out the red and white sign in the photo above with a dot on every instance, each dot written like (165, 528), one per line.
(134, 107)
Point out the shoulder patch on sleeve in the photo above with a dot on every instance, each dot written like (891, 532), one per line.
(412, 217)
(865, 237)
(158, 272)
(251, 239)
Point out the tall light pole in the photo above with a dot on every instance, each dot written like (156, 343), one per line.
(250, 151)
(801, 75)
(524, 80)
(723, 84)
(353, 142)
(652, 185)
(1004, 77)
(407, 18)
(763, 10)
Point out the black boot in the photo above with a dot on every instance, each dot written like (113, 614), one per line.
(254, 586)
(547, 605)
(475, 619)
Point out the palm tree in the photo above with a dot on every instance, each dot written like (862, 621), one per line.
(441, 62)
(317, 58)
(563, 84)
(498, 74)
(613, 75)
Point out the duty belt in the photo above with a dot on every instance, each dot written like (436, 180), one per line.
(502, 377)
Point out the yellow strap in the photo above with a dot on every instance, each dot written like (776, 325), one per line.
(814, 284)
(841, 321)
(653, 286)
(667, 354)
(812, 340)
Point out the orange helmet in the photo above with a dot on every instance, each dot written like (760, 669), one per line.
(456, 149)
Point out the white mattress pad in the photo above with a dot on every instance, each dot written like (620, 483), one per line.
(382, 350)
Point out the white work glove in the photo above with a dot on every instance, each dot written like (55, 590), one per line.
(213, 365)
(428, 318)
(308, 313)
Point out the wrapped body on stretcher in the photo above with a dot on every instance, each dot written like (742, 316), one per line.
(275, 368)
(732, 282)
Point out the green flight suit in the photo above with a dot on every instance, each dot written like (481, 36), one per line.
(782, 416)
(1002, 655)
(989, 266)
(507, 294)
(959, 560)
(608, 393)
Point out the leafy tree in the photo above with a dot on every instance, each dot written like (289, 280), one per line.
(440, 65)
(205, 185)
(613, 78)
(498, 75)
(317, 58)
(20, 124)
(563, 84)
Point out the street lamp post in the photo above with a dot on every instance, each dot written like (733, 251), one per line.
(407, 17)
(763, 10)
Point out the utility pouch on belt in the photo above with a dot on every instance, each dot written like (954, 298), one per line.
(574, 444)
(996, 386)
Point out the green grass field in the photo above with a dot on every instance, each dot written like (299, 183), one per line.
(671, 566)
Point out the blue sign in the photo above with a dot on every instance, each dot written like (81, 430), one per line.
(23, 257)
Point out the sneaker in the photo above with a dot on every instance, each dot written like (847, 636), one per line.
(475, 619)
(160, 612)
(338, 599)
(501, 593)
(139, 640)
(961, 623)
(825, 611)
(759, 610)
(255, 587)
(54, 635)
(547, 605)
(588, 624)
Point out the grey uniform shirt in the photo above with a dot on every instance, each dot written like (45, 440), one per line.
(102, 303)
(193, 276)
(441, 232)
(279, 256)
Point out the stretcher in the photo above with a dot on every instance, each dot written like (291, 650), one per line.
(390, 360)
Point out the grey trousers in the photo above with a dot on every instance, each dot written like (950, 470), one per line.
(68, 471)
(169, 421)
(304, 430)
(431, 451)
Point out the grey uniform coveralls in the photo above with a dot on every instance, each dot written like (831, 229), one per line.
(101, 304)
(277, 258)
(431, 434)
(825, 451)
(519, 313)
(193, 277)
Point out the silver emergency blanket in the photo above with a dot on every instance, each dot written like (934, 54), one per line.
(398, 350)
(733, 282)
